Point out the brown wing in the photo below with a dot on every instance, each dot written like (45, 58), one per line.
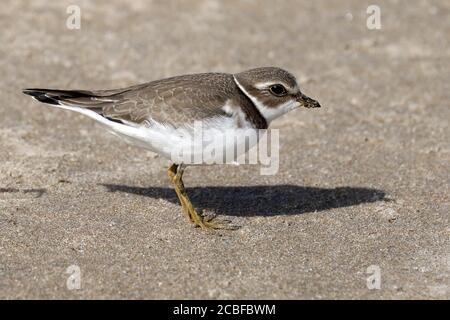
(174, 100)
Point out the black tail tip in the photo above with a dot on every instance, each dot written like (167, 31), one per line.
(32, 92)
(40, 95)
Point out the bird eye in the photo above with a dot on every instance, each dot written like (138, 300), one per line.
(278, 90)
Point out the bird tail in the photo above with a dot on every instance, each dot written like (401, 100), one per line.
(91, 103)
(91, 100)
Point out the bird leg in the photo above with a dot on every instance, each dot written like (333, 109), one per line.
(175, 173)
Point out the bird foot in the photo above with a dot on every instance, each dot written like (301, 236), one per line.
(214, 223)
(175, 173)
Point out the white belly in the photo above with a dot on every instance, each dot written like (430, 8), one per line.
(208, 142)
(213, 141)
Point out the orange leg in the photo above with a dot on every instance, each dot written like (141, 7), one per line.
(175, 173)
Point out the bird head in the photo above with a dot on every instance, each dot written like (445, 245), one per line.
(273, 91)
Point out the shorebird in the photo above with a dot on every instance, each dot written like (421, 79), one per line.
(160, 115)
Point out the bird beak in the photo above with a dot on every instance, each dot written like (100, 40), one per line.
(307, 102)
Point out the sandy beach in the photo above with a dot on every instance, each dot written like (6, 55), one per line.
(363, 182)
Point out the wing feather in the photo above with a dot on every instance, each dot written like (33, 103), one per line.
(174, 100)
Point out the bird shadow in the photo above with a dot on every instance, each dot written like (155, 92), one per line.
(262, 200)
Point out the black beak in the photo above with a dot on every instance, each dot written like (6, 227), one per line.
(307, 102)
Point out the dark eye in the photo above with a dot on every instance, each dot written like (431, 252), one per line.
(278, 90)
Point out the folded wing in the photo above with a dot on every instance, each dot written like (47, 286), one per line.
(175, 101)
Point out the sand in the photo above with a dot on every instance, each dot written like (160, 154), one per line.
(363, 181)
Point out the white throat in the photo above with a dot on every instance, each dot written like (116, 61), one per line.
(268, 113)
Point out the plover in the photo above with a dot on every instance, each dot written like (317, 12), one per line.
(160, 114)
